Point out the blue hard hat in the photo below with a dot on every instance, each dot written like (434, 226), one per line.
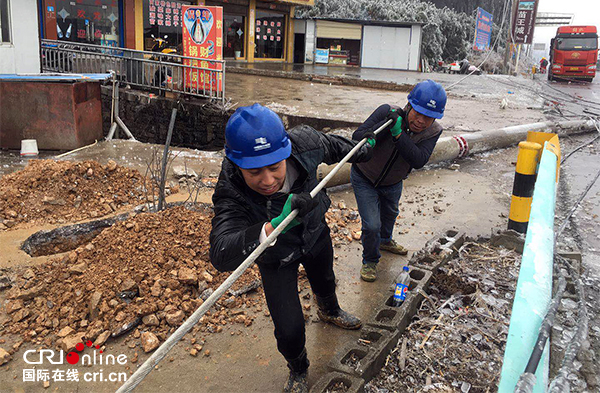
(255, 137)
(428, 98)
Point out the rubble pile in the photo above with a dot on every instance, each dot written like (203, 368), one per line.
(142, 276)
(344, 223)
(456, 340)
(49, 191)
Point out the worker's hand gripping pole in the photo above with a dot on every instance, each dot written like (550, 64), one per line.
(162, 351)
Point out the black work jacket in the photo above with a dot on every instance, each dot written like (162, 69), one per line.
(394, 159)
(241, 212)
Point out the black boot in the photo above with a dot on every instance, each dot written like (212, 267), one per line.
(330, 312)
(298, 380)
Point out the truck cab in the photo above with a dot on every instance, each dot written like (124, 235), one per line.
(574, 53)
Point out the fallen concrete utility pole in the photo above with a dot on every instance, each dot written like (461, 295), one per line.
(459, 146)
(162, 351)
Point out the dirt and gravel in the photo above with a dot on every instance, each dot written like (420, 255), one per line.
(456, 340)
(141, 277)
(49, 191)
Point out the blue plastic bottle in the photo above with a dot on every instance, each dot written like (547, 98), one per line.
(401, 289)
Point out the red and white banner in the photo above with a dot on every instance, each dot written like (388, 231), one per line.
(203, 38)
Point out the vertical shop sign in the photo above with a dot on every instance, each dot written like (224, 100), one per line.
(203, 38)
(524, 21)
(483, 30)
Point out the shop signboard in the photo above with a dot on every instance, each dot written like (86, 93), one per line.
(483, 30)
(322, 56)
(524, 21)
(203, 38)
(164, 13)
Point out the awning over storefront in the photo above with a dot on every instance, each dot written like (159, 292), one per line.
(338, 30)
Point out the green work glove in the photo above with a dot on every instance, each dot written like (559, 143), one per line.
(396, 124)
(370, 138)
(303, 202)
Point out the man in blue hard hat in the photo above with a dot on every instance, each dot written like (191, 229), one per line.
(406, 144)
(268, 173)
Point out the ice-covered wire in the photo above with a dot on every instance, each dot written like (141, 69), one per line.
(526, 383)
(543, 95)
(540, 344)
(560, 383)
(576, 205)
(575, 98)
(583, 144)
(490, 51)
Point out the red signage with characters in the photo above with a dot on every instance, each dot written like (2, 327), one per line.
(203, 38)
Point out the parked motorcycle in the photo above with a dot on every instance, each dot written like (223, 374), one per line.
(163, 76)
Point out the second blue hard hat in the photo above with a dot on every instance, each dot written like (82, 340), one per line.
(428, 98)
(255, 137)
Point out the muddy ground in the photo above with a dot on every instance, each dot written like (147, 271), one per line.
(464, 112)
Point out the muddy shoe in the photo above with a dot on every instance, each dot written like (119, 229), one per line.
(296, 383)
(393, 247)
(329, 311)
(341, 319)
(368, 272)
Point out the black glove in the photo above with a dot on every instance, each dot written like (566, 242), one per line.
(397, 125)
(370, 138)
(393, 114)
(304, 203)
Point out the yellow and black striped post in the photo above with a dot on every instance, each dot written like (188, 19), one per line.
(522, 194)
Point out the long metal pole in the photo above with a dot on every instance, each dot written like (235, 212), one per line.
(162, 351)
(163, 172)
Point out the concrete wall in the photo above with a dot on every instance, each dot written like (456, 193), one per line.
(386, 47)
(416, 38)
(22, 54)
(311, 42)
(199, 124)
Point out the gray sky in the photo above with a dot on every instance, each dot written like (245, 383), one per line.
(587, 12)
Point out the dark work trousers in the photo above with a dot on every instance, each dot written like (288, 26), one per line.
(280, 284)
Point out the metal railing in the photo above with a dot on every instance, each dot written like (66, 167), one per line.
(153, 71)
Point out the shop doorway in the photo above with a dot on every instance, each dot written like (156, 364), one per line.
(299, 48)
(341, 51)
(270, 35)
(234, 35)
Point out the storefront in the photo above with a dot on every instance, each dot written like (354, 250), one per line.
(372, 44)
(98, 22)
(162, 21)
(252, 30)
(342, 40)
(258, 30)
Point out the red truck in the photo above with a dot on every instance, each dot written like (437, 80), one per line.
(573, 53)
